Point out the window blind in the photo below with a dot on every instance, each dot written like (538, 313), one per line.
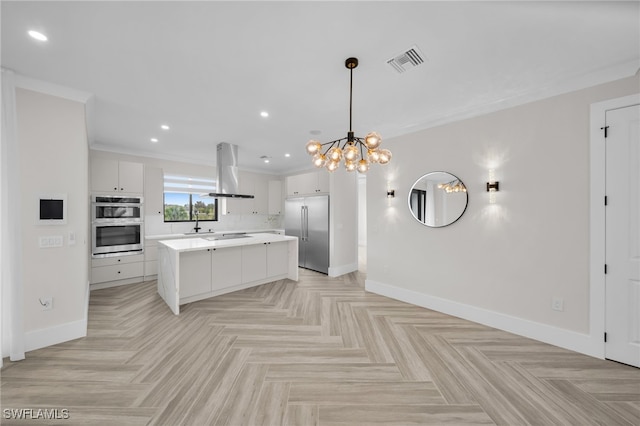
(189, 184)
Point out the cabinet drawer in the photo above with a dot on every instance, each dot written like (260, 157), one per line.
(116, 272)
(118, 260)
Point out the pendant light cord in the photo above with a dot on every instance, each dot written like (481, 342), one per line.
(350, 96)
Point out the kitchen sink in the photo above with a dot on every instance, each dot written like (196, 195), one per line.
(227, 237)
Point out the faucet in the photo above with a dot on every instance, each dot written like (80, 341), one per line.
(195, 213)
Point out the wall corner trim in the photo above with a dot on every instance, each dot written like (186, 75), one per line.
(567, 339)
(336, 271)
(42, 338)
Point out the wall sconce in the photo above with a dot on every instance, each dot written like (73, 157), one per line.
(391, 193)
(493, 186)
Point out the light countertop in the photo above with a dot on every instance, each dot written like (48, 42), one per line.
(205, 234)
(201, 243)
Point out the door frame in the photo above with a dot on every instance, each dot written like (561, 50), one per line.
(597, 255)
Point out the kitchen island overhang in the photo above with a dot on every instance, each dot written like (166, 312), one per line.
(192, 269)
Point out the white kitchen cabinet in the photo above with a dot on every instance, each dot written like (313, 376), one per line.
(195, 273)
(241, 205)
(254, 262)
(110, 176)
(275, 197)
(323, 182)
(153, 191)
(226, 267)
(261, 193)
(107, 269)
(264, 260)
(250, 184)
(277, 259)
(308, 183)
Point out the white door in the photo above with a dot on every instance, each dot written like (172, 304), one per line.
(622, 279)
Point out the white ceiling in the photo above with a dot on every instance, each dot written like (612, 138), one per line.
(208, 69)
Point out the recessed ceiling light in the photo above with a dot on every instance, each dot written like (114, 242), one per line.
(164, 127)
(287, 155)
(264, 114)
(266, 161)
(38, 35)
(154, 140)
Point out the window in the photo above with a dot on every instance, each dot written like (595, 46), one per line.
(186, 195)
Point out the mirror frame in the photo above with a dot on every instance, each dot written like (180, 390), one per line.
(454, 177)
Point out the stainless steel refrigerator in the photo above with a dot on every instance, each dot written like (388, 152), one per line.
(308, 219)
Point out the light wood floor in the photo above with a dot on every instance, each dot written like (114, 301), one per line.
(318, 352)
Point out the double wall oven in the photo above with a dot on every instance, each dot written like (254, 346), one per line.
(117, 225)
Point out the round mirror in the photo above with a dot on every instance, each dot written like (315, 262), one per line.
(438, 199)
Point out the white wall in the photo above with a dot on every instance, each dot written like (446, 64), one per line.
(362, 210)
(343, 217)
(53, 159)
(501, 263)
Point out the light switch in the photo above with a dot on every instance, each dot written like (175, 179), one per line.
(57, 241)
(51, 241)
(72, 238)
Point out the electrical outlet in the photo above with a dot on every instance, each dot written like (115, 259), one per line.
(557, 304)
(46, 303)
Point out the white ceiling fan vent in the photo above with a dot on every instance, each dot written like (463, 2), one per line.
(410, 58)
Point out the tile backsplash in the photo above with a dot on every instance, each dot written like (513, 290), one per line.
(155, 225)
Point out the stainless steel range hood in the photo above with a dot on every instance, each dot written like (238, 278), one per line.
(227, 172)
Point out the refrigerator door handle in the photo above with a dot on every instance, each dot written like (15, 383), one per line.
(306, 223)
(302, 223)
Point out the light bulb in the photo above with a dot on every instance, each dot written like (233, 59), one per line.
(385, 156)
(332, 166)
(334, 154)
(374, 155)
(363, 166)
(313, 147)
(372, 140)
(351, 166)
(350, 153)
(319, 160)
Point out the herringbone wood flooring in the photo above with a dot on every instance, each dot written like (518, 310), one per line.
(318, 352)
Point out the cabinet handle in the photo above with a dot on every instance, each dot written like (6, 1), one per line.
(119, 260)
(118, 271)
(121, 189)
(115, 189)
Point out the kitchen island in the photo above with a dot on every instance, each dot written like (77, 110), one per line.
(192, 269)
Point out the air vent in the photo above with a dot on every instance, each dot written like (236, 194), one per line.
(410, 58)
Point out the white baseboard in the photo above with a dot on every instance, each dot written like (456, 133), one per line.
(336, 271)
(57, 334)
(577, 342)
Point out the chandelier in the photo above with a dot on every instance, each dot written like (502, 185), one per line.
(453, 186)
(358, 153)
